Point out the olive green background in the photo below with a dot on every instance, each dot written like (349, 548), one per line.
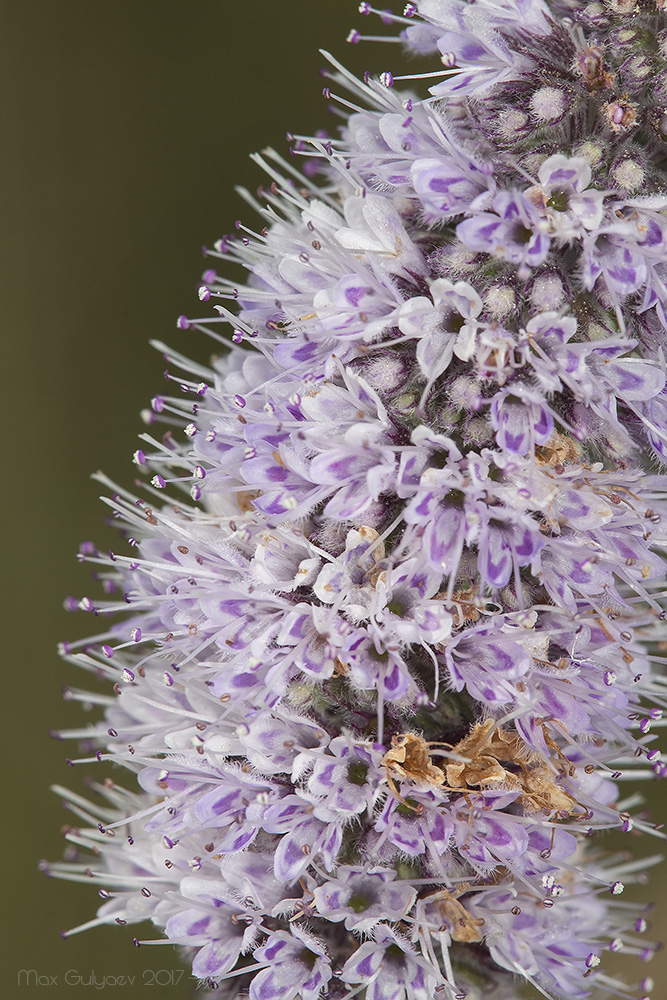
(124, 125)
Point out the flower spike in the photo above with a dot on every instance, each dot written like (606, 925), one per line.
(383, 632)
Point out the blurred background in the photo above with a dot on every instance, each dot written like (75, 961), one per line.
(124, 125)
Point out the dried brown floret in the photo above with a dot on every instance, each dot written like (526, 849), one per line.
(480, 767)
(487, 749)
(409, 758)
(477, 762)
(558, 450)
(455, 917)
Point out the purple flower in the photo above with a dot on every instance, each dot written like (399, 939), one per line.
(296, 965)
(476, 50)
(222, 930)
(390, 967)
(446, 187)
(512, 231)
(521, 420)
(341, 782)
(364, 897)
(443, 324)
(566, 198)
(418, 828)
(538, 942)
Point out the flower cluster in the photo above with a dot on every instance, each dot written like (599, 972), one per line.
(384, 660)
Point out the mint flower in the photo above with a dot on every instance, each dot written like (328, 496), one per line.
(383, 630)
